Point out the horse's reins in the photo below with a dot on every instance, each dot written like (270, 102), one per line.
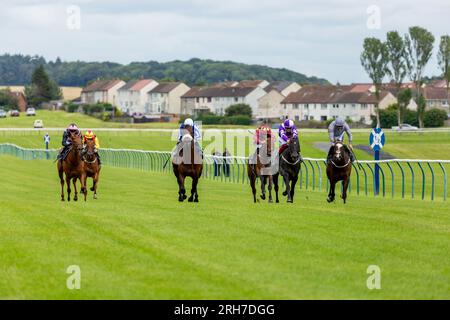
(288, 162)
(340, 167)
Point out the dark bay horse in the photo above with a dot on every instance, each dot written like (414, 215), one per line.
(262, 165)
(72, 167)
(91, 167)
(339, 169)
(187, 163)
(289, 168)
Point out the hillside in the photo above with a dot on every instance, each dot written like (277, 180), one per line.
(17, 69)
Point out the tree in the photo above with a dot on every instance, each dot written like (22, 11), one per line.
(397, 65)
(42, 88)
(240, 109)
(444, 61)
(419, 47)
(375, 59)
(403, 98)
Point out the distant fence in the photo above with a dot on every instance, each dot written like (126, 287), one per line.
(424, 179)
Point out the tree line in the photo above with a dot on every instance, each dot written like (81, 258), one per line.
(17, 70)
(399, 57)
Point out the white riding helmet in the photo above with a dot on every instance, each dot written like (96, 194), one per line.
(189, 122)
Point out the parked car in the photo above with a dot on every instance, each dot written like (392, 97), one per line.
(38, 124)
(14, 113)
(31, 112)
(405, 127)
(2, 113)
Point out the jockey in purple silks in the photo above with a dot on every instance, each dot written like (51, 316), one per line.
(286, 131)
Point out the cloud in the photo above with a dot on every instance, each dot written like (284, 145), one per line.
(321, 38)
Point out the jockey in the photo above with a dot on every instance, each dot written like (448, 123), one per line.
(89, 135)
(286, 131)
(263, 135)
(188, 124)
(336, 132)
(66, 142)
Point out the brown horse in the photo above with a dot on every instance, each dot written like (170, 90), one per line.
(339, 168)
(187, 162)
(72, 167)
(91, 167)
(261, 165)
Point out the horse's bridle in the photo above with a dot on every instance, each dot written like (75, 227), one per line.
(340, 167)
(288, 162)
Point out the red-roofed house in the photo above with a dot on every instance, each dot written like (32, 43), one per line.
(132, 97)
(103, 91)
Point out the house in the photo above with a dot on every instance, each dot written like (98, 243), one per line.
(437, 97)
(21, 100)
(165, 98)
(217, 98)
(101, 91)
(269, 105)
(132, 97)
(322, 103)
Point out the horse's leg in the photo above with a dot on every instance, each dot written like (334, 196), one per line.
(194, 194)
(253, 185)
(181, 189)
(94, 186)
(344, 191)
(83, 180)
(270, 188)
(68, 187)
(61, 180)
(293, 183)
(275, 182)
(263, 187)
(331, 194)
(74, 181)
(288, 188)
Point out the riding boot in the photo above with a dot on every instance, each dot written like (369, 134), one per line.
(352, 156)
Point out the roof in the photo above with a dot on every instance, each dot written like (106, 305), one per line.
(101, 85)
(331, 94)
(250, 83)
(136, 85)
(433, 93)
(209, 92)
(278, 86)
(165, 87)
(361, 87)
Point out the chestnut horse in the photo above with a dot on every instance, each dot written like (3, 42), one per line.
(339, 169)
(91, 167)
(263, 166)
(72, 167)
(187, 163)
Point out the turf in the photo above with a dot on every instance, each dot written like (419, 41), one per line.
(137, 241)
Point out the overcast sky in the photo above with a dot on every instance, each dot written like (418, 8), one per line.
(321, 38)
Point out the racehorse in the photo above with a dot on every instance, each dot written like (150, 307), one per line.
(339, 168)
(188, 165)
(261, 165)
(91, 167)
(290, 162)
(72, 167)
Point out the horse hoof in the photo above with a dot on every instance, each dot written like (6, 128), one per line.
(290, 201)
(278, 201)
(285, 193)
(95, 196)
(263, 197)
(184, 197)
(195, 200)
(190, 200)
(270, 201)
(330, 200)
(92, 189)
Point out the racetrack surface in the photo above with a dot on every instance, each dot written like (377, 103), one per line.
(137, 241)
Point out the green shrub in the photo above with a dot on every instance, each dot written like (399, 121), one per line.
(71, 107)
(238, 110)
(237, 120)
(434, 118)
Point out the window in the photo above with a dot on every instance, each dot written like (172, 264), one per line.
(197, 100)
(311, 118)
(297, 118)
(209, 99)
(323, 118)
(306, 106)
(364, 106)
(353, 106)
(236, 99)
(295, 106)
(323, 107)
